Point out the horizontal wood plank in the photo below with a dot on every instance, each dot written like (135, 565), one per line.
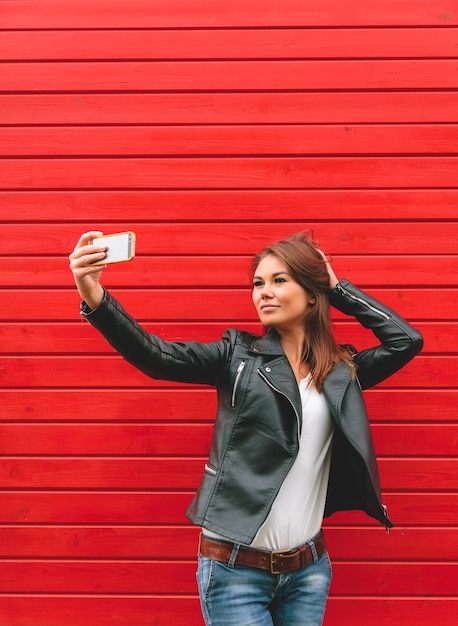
(204, 76)
(209, 271)
(354, 107)
(388, 611)
(162, 305)
(317, 205)
(55, 338)
(236, 172)
(96, 507)
(248, 43)
(407, 474)
(113, 371)
(26, 507)
(188, 404)
(101, 474)
(163, 542)
(416, 439)
(419, 475)
(83, 14)
(438, 440)
(387, 238)
(382, 579)
(31, 610)
(221, 141)
(101, 440)
(409, 509)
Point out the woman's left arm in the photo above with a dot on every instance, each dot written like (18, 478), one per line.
(399, 341)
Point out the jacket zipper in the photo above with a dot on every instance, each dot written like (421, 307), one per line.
(289, 400)
(385, 513)
(361, 301)
(210, 470)
(236, 382)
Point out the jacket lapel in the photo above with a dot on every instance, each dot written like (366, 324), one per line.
(334, 387)
(277, 371)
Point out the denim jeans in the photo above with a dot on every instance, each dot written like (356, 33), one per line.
(247, 596)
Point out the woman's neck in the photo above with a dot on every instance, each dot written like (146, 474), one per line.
(293, 347)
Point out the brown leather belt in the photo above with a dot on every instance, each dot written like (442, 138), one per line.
(276, 562)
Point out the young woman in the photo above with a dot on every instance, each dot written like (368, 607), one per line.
(291, 442)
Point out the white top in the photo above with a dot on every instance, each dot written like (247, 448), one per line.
(297, 512)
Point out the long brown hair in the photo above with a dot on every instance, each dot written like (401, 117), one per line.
(308, 268)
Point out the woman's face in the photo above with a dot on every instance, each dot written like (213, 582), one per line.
(280, 301)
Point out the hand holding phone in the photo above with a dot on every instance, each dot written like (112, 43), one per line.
(120, 247)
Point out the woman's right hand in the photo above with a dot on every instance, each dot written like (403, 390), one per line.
(87, 276)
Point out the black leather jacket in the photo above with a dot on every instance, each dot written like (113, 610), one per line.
(259, 417)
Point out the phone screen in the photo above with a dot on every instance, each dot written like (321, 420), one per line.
(120, 247)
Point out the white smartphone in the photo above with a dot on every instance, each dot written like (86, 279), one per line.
(120, 247)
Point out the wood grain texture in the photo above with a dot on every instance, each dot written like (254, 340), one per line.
(236, 172)
(164, 305)
(191, 439)
(204, 76)
(328, 107)
(77, 209)
(25, 507)
(202, 140)
(380, 579)
(233, 43)
(189, 404)
(70, 372)
(29, 610)
(429, 237)
(206, 271)
(55, 338)
(409, 475)
(352, 544)
(24, 14)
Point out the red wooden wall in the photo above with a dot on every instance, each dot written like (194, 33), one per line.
(211, 127)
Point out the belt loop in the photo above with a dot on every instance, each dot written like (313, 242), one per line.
(233, 557)
(313, 551)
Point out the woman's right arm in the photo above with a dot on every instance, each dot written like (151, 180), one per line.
(180, 361)
(86, 275)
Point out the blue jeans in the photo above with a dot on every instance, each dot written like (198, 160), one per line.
(246, 596)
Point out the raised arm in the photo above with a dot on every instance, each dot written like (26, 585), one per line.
(87, 276)
(399, 341)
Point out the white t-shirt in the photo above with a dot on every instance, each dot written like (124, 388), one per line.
(297, 512)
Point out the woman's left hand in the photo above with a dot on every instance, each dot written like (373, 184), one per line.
(333, 280)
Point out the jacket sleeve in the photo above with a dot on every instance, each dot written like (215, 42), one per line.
(399, 341)
(191, 362)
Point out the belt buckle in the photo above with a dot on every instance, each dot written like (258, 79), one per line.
(272, 565)
(283, 553)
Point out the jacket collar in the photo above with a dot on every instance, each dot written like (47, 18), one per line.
(334, 385)
(268, 344)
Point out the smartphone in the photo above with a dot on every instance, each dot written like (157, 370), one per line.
(120, 247)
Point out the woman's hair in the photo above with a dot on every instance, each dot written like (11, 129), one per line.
(308, 268)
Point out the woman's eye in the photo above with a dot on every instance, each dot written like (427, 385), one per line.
(257, 283)
(279, 280)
